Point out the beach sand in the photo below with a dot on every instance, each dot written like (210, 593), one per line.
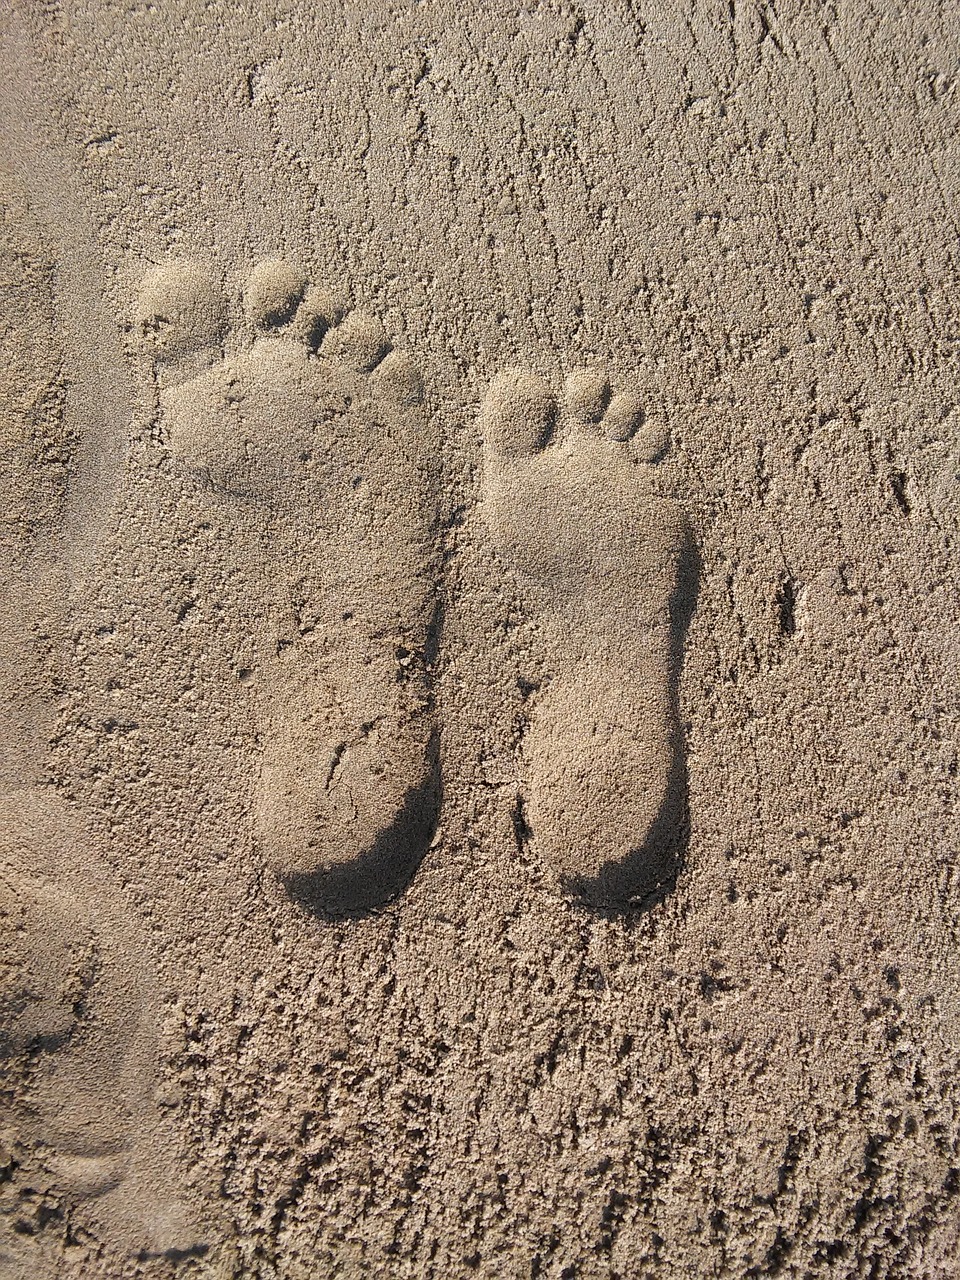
(480, 631)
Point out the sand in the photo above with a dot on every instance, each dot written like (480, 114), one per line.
(480, 631)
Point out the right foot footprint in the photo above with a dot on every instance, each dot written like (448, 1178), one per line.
(599, 561)
(315, 437)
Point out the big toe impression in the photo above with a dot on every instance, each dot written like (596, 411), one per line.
(518, 414)
(180, 309)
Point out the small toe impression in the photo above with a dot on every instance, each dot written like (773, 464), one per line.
(360, 341)
(518, 414)
(652, 442)
(180, 310)
(399, 378)
(586, 394)
(319, 311)
(272, 293)
(623, 416)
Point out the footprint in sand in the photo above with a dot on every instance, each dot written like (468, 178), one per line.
(313, 451)
(79, 1005)
(603, 567)
(78, 1048)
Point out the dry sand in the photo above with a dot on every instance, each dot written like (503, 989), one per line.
(480, 635)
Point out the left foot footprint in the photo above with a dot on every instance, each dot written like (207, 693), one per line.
(313, 452)
(599, 562)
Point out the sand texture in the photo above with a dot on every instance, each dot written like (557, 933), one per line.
(480, 635)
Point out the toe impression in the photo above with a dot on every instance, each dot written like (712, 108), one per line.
(624, 415)
(360, 341)
(518, 414)
(586, 394)
(180, 310)
(272, 293)
(398, 377)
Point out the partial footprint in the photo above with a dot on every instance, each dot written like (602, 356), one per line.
(603, 567)
(78, 1008)
(78, 1052)
(315, 454)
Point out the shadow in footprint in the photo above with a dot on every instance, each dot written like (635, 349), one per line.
(380, 874)
(650, 872)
